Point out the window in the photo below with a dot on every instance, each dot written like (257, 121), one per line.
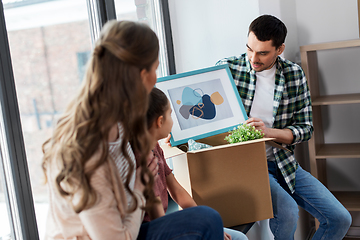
(149, 12)
(126, 10)
(5, 230)
(49, 43)
(82, 59)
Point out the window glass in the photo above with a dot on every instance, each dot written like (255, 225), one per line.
(126, 10)
(146, 11)
(49, 45)
(5, 232)
(9, 212)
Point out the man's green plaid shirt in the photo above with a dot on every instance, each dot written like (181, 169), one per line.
(291, 109)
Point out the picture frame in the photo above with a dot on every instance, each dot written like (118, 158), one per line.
(204, 103)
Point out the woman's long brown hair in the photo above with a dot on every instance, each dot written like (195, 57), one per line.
(112, 92)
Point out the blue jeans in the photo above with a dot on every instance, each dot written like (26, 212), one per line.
(235, 234)
(191, 223)
(311, 195)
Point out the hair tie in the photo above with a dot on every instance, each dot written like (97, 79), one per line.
(98, 51)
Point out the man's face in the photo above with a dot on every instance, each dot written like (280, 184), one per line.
(262, 55)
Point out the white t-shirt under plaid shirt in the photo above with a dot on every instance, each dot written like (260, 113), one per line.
(262, 106)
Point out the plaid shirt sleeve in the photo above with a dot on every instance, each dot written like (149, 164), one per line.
(294, 111)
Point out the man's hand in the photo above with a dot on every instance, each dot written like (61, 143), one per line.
(258, 124)
(281, 135)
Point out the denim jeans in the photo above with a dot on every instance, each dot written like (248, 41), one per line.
(235, 234)
(311, 195)
(191, 223)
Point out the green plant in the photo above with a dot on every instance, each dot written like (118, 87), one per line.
(243, 133)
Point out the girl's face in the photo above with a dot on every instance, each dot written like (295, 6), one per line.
(167, 123)
(149, 77)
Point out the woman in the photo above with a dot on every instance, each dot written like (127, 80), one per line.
(96, 191)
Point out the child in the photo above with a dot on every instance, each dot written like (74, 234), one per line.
(160, 123)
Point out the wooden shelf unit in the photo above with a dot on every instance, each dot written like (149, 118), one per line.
(351, 200)
(343, 150)
(319, 151)
(336, 99)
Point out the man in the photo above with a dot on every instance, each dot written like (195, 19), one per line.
(276, 98)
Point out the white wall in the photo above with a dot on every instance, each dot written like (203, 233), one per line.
(205, 31)
(285, 10)
(326, 21)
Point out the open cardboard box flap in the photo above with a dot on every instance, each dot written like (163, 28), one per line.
(217, 141)
(170, 152)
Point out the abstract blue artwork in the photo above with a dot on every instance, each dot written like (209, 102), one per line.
(200, 103)
(205, 102)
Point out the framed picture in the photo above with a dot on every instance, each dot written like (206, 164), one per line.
(204, 102)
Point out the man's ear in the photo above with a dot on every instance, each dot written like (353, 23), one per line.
(281, 49)
(159, 121)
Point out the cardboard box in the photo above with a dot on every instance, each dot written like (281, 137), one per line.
(231, 178)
